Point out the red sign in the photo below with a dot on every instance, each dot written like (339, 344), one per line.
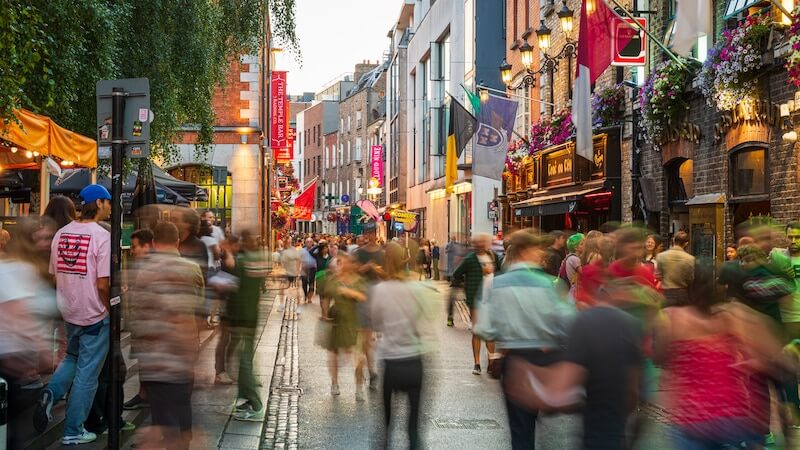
(286, 154)
(376, 164)
(279, 112)
(304, 203)
(634, 53)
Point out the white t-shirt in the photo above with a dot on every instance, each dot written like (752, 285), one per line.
(210, 242)
(80, 254)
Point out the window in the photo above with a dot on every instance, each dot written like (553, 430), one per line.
(358, 149)
(349, 154)
(348, 124)
(522, 124)
(748, 172)
(358, 119)
(469, 37)
(319, 164)
(319, 134)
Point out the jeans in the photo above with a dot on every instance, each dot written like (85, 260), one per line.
(86, 352)
(521, 421)
(309, 277)
(248, 387)
(723, 433)
(403, 375)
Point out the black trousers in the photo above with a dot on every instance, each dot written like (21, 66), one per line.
(522, 421)
(171, 411)
(403, 375)
(309, 277)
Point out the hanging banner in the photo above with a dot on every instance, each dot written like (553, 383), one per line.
(376, 164)
(304, 203)
(286, 154)
(279, 114)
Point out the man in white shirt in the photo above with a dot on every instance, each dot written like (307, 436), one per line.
(216, 232)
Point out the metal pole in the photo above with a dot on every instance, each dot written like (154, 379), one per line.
(117, 154)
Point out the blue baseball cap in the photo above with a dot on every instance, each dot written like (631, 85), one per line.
(94, 192)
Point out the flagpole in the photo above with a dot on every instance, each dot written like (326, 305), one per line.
(652, 38)
(514, 95)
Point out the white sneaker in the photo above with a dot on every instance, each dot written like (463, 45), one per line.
(84, 438)
(223, 378)
(335, 389)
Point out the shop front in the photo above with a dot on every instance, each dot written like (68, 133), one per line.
(558, 190)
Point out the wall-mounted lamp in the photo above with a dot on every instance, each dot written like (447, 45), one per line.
(484, 94)
(543, 35)
(243, 139)
(13, 149)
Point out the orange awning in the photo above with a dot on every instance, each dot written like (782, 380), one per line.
(39, 133)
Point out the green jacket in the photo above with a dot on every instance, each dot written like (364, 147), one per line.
(470, 272)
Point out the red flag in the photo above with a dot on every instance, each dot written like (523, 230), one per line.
(598, 27)
(304, 203)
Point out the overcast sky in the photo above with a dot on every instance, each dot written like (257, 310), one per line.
(334, 36)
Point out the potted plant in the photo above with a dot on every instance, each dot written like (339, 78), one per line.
(608, 106)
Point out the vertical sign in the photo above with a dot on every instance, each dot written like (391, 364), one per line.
(286, 154)
(630, 43)
(279, 119)
(376, 164)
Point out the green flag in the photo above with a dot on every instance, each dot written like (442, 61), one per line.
(474, 100)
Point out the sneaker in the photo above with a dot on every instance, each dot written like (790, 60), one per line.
(250, 415)
(125, 426)
(244, 406)
(476, 370)
(84, 438)
(136, 402)
(334, 389)
(223, 378)
(450, 322)
(769, 439)
(44, 411)
(373, 381)
(360, 393)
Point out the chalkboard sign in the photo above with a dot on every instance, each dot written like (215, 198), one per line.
(703, 240)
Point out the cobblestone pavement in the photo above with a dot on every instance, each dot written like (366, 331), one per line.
(281, 428)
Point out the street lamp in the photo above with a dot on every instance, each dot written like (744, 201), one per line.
(526, 54)
(565, 16)
(506, 72)
(543, 35)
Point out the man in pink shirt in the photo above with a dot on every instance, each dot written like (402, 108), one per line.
(81, 262)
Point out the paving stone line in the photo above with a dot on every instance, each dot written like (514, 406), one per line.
(281, 430)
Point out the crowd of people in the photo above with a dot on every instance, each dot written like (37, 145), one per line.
(55, 298)
(600, 324)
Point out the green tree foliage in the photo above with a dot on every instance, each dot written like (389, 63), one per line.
(53, 52)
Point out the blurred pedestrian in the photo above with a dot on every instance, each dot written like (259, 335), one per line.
(371, 260)
(714, 353)
(435, 255)
(730, 253)
(346, 289)
(653, 245)
(402, 312)
(556, 252)
(61, 209)
(4, 238)
(675, 271)
(572, 262)
(141, 246)
(226, 289)
(169, 343)
(528, 319)
(481, 262)
(252, 270)
(28, 307)
(80, 261)
(291, 263)
(309, 269)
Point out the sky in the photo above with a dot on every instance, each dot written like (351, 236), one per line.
(335, 35)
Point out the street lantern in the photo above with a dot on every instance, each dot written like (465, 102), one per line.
(565, 15)
(543, 34)
(505, 72)
(526, 54)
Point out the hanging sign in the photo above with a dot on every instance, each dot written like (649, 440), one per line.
(630, 43)
(376, 164)
(279, 116)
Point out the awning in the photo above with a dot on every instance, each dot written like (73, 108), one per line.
(562, 202)
(736, 6)
(706, 199)
(38, 133)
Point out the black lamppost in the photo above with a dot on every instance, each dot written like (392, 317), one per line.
(550, 63)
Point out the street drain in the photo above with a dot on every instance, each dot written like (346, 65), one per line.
(465, 424)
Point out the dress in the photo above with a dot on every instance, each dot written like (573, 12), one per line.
(345, 314)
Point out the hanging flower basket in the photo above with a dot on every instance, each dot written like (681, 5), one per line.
(608, 106)
(730, 71)
(544, 133)
(661, 100)
(793, 58)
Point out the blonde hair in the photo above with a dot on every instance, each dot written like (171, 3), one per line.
(394, 262)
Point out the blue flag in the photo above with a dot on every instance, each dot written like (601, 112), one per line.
(495, 125)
